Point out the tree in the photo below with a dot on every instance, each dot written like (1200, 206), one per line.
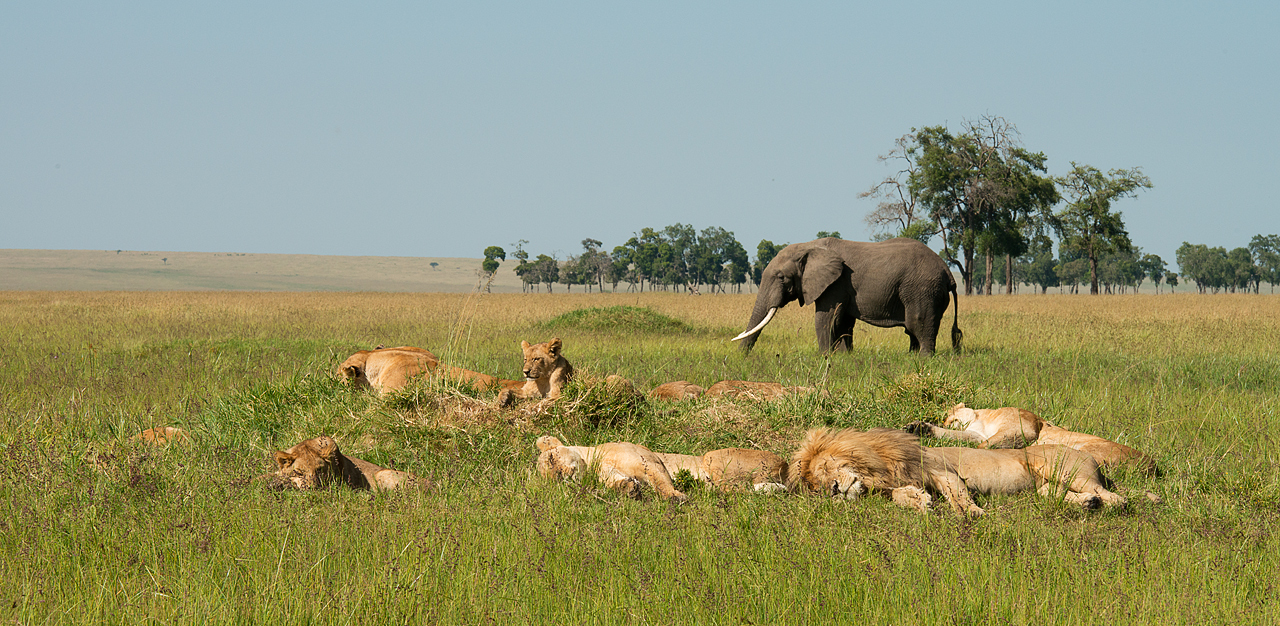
(898, 213)
(1266, 257)
(765, 251)
(546, 270)
(490, 264)
(1038, 268)
(1154, 267)
(1171, 279)
(1087, 223)
(435, 266)
(828, 233)
(979, 186)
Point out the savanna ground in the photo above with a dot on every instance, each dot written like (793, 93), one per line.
(98, 528)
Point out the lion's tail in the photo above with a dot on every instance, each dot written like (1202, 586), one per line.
(957, 336)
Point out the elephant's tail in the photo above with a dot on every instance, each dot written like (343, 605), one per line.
(957, 336)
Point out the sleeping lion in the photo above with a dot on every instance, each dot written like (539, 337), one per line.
(1011, 427)
(622, 467)
(545, 369)
(850, 464)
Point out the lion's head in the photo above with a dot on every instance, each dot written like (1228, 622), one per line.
(959, 417)
(561, 463)
(847, 463)
(312, 464)
(541, 359)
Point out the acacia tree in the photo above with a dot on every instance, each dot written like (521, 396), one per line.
(489, 266)
(980, 188)
(1154, 266)
(899, 214)
(1087, 223)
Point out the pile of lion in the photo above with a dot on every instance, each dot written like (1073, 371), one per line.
(1015, 449)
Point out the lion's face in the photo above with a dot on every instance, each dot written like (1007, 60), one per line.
(312, 464)
(352, 369)
(835, 477)
(540, 359)
(959, 417)
(561, 463)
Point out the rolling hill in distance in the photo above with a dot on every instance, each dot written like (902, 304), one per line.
(131, 270)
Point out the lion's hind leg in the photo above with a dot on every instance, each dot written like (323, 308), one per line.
(953, 489)
(1073, 471)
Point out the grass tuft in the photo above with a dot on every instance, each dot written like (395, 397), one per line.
(619, 319)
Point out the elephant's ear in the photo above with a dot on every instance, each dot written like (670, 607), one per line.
(822, 267)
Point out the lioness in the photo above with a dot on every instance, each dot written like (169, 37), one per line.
(387, 369)
(620, 466)
(162, 434)
(318, 463)
(755, 390)
(1011, 427)
(730, 467)
(677, 390)
(849, 463)
(546, 372)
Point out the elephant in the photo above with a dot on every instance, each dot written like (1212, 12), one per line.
(899, 282)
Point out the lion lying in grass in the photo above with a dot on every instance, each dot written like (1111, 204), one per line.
(388, 369)
(317, 463)
(730, 468)
(622, 467)
(1010, 427)
(850, 464)
(754, 390)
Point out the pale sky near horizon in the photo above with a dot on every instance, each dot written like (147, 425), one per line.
(431, 129)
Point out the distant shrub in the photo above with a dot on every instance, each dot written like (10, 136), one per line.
(625, 319)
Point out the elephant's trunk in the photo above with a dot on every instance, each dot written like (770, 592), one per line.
(759, 326)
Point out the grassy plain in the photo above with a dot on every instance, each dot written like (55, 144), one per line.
(97, 528)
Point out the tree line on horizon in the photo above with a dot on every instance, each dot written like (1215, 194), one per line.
(989, 199)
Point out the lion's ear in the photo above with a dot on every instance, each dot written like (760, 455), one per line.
(283, 459)
(554, 346)
(353, 371)
(326, 447)
(524, 345)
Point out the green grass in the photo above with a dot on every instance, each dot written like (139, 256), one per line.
(95, 527)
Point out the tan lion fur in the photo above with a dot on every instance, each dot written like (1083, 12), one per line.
(622, 466)
(730, 468)
(162, 434)
(754, 390)
(317, 463)
(850, 463)
(1011, 427)
(677, 390)
(546, 372)
(387, 369)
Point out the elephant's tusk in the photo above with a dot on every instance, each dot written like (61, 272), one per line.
(758, 326)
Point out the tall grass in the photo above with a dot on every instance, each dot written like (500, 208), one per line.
(96, 527)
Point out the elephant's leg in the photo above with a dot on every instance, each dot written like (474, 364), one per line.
(915, 343)
(824, 325)
(844, 335)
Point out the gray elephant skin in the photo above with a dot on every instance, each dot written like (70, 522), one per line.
(899, 282)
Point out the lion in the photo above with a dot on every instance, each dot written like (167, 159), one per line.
(1011, 427)
(546, 372)
(729, 468)
(677, 390)
(317, 463)
(162, 434)
(850, 463)
(754, 390)
(387, 369)
(622, 467)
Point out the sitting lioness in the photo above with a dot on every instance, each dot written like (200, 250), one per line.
(622, 467)
(318, 463)
(546, 372)
(849, 463)
(1011, 427)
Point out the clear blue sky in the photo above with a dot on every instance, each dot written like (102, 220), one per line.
(434, 129)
